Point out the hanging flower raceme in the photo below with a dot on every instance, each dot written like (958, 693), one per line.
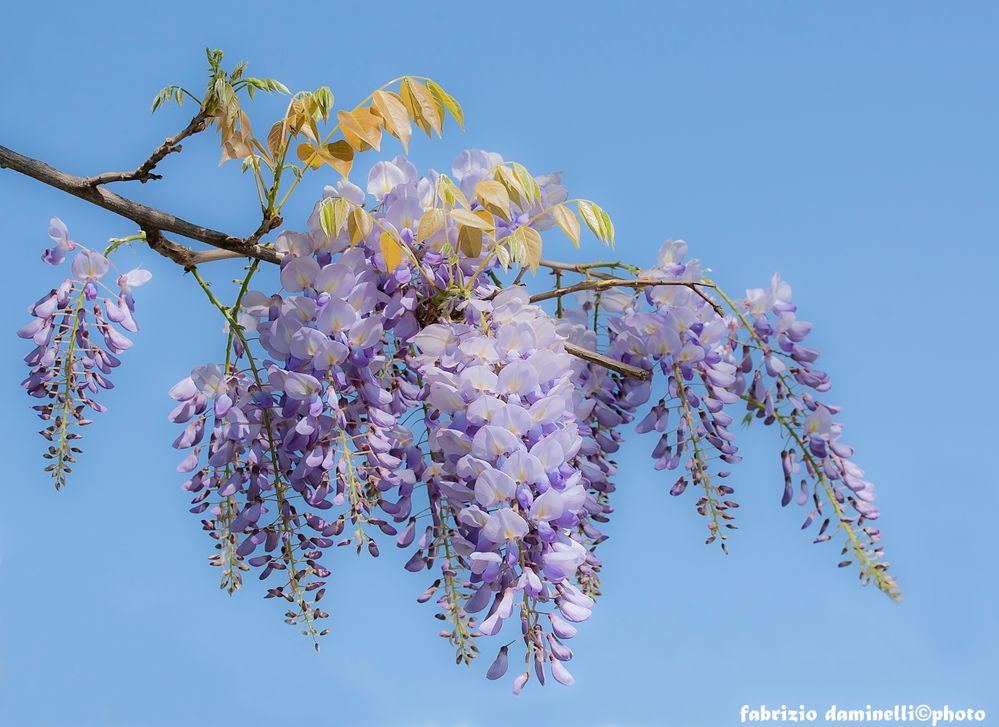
(603, 402)
(782, 391)
(506, 503)
(78, 339)
(753, 354)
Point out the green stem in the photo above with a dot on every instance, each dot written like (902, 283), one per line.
(703, 477)
(279, 487)
(68, 365)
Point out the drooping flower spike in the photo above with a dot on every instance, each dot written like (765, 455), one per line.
(69, 365)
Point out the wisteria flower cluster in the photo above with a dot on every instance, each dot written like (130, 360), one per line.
(402, 382)
(755, 357)
(78, 339)
(502, 420)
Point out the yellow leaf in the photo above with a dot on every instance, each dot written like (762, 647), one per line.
(299, 118)
(432, 220)
(396, 118)
(309, 155)
(421, 105)
(470, 241)
(361, 128)
(568, 221)
(236, 146)
(453, 106)
(237, 143)
(359, 225)
(311, 130)
(391, 251)
(471, 219)
(494, 197)
(531, 240)
(339, 155)
(486, 218)
(275, 138)
(506, 177)
(503, 256)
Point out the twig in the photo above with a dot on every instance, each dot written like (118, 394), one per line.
(587, 269)
(183, 256)
(608, 363)
(145, 171)
(147, 218)
(605, 283)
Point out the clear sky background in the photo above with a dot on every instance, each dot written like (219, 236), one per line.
(849, 145)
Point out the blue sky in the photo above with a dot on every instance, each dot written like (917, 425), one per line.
(851, 146)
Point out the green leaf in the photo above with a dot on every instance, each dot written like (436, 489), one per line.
(607, 226)
(333, 213)
(597, 220)
(326, 221)
(237, 71)
(267, 85)
(518, 251)
(450, 192)
(341, 208)
(166, 95)
(324, 101)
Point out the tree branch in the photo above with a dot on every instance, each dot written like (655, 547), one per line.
(147, 218)
(588, 269)
(607, 362)
(145, 171)
(604, 283)
(572, 268)
(183, 256)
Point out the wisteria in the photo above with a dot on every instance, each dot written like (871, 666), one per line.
(78, 339)
(503, 426)
(399, 382)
